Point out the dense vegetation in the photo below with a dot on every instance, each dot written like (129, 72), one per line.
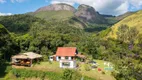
(22, 74)
(133, 20)
(44, 37)
(8, 46)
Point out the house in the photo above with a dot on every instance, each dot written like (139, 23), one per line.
(66, 56)
(25, 59)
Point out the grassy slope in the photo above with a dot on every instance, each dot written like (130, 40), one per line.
(52, 70)
(54, 15)
(120, 17)
(60, 16)
(54, 67)
(134, 20)
(95, 73)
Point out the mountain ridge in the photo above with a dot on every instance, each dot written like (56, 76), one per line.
(84, 12)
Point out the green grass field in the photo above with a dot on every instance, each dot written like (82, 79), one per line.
(94, 73)
(54, 67)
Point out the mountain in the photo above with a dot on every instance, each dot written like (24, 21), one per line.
(134, 20)
(63, 11)
(88, 13)
(120, 17)
(57, 7)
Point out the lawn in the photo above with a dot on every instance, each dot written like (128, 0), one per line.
(48, 66)
(93, 73)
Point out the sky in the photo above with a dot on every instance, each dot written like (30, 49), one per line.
(109, 7)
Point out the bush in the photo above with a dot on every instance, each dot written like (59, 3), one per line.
(87, 67)
(103, 72)
(69, 74)
(24, 73)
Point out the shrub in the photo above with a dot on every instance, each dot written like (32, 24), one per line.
(103, 72)
(87, 67)
(69, 74)
(25, 73)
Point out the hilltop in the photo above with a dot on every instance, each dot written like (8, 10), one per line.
(134, 20)
(89, 14)
(57, 7)
(120, 17)
(63, 11)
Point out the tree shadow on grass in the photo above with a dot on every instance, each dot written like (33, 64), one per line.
(4, 69)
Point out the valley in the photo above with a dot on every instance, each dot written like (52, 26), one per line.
(100, 38)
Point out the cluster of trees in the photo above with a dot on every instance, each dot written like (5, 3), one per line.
(18, 23)
(44, 37)
(8, 46)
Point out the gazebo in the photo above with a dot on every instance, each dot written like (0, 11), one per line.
(25, 59)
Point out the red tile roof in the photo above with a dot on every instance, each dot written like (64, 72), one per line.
(66, 51)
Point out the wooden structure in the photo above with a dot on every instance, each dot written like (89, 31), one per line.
(25, 59)
(81, 57)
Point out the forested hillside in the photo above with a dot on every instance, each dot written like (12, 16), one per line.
(132, 21)
(120, 44)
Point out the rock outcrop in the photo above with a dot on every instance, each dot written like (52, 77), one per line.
(88, 13)
(57, 7)
(84, 12)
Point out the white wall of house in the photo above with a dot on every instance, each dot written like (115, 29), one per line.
(69, 64)
(57, 58)
(62, 58)
(69, 58)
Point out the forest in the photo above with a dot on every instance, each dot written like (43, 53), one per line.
(22, 33)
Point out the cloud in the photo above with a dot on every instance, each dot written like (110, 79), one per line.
(2, 1)
(113, 7)
(13, 1)
(55, 2)
(5, 14)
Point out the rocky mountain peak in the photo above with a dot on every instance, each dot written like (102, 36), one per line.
(83, 6)
(88, 13)
(57, 7)
(84, 12)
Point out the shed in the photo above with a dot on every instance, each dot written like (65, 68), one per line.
(25, 59)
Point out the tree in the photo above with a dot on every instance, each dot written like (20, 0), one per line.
(127, 34)
(122, 33)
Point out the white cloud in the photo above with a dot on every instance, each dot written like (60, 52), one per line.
(136, 3)
(54, 2)
(114, 7)
(13, 1)
(5, 14)
(2, 1)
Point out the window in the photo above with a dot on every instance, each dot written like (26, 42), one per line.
(66, 64)
(66, 57)
(71, 58)
(59, 57)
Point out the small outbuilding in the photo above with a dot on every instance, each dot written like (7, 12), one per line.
(26, 59)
